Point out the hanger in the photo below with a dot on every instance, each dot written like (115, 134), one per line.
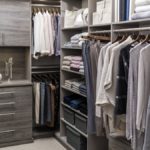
(147, 37)
(101, 38)
(119, 37)
(124, 37)
(135, 37)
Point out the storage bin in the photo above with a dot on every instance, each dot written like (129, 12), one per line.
(81, 123)
(75, 139)
(69, 115)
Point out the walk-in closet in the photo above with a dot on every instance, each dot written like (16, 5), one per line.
(74, 74)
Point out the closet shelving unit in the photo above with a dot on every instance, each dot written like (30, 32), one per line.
(113, 29)
(68, 74)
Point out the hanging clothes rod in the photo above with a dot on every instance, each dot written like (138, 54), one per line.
(44, 5)
(46, 67)
(44, 72)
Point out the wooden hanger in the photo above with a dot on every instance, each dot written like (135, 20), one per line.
(124, 37)
(135, 37)
(147, 38)
(119, 37)
(100, 37)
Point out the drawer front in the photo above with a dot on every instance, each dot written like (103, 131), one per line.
(15, 135)
(18, 97)
(14, 121)
(8, 107)
(15, 107)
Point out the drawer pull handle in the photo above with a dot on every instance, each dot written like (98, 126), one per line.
(11, 103)
(7, 114)
(5, 93)
(8, 131)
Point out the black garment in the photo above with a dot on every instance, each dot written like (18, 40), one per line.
(122, 81)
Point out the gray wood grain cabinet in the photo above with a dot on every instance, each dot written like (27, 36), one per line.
(15, 23)
(15, 115)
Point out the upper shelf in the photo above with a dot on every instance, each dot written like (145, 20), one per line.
(100, 25)
(75, 28)
(135, 22)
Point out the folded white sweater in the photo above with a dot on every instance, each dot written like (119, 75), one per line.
(143, 8)
(142, 2)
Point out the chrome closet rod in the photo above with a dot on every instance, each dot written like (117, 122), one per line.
(45, 67)
(45, 5)
(44, 72)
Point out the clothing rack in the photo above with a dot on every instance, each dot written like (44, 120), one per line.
(45, 2)
(44, 131)
(44, 5)
(45, 69)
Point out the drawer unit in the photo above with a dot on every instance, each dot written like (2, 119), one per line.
(69, 115)
(81, 123)
(15, 114)
(75, 139)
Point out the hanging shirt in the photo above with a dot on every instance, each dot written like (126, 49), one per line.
(143, 87)
(46, 35)
(101, 96)
(41, 33)
(110, 80)
(36, 24)
(122, 80)
(131, 132)
(50, 29)
(58, 47)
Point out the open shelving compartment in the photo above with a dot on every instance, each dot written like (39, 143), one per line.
(66, 34)
(21, 65)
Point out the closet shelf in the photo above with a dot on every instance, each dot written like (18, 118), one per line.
(72, 126)
(71, 48)
(101, 25)
(99, 32)
(70, 71)
(65, 88)
(15, 83)
(63, 141)
(136, 22)
(132, 29)
(75, 28)
(76, 111)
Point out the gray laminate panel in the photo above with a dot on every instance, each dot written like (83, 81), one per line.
(119, 144)
(16, 28)
(15, 135)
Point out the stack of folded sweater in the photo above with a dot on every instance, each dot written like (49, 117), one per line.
(76, 84)
(76, 40)
(142, 9)
(76, 102)
(74, 63)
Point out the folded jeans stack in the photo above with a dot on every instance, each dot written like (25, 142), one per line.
(83, 89)
(142, 9)
(76, 102)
